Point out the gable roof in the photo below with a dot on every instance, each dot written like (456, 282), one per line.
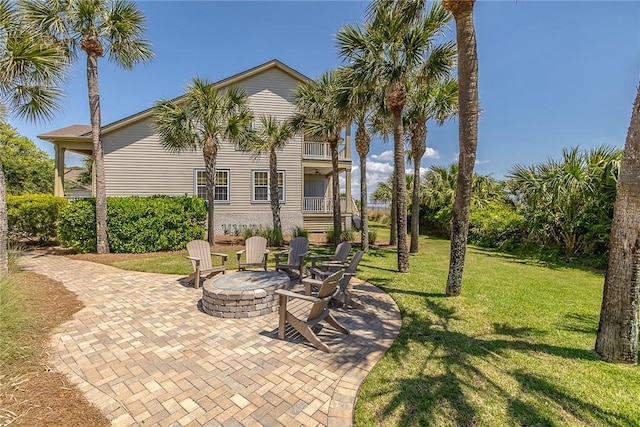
(84, 131)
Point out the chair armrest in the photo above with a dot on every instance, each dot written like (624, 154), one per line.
(240, 252)
(224, 256)
(308, 283)
(196, 260)
(266, 252)
(284, 292)
(315, 258)
(277, 256)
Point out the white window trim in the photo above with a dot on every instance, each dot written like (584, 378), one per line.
(195, 184)
(284, 186)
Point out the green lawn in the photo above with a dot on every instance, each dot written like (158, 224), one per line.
(514, 349)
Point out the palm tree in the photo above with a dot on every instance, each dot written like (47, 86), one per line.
(200, 119)
(397, 39)
(617, 339)
(319, 115)
(114, 27)
(437, 100)
(270, 137)
(31, 70)
(462, 11)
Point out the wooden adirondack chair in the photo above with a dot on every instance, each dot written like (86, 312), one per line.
(200, 255)
(343, 296)
(331, 263)
(256, 253)
(298, 251)
(305, 312)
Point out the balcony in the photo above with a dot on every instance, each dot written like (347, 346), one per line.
(322, 150)
(322, 204)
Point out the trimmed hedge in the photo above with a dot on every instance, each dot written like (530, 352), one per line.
(34, 216)
(136, 224)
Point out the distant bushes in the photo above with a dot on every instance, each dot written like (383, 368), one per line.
(34, 216)
(135, 224)
(496, 226)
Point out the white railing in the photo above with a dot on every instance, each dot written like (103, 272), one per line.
(322, 204)
(320, 150)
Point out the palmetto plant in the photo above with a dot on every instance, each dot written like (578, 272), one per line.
(200, 120)
(397, 39)
(31, 70)
(96, 27)
(318, 114)
(271, 136)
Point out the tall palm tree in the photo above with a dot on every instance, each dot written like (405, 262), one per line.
(114, 27)
(396, 40)
(318, 115)
(462, 11)
(617, 339)
(270, 137)
(31, 70)
(433, 100)
(358, 101)
(200, 119)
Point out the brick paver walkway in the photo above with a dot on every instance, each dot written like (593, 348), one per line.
(145, 354)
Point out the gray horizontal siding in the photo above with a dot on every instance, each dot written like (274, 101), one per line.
(136, 163)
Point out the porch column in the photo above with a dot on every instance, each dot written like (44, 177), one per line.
(93, 178)
(347, 183)
(347, 142)
(58, 171)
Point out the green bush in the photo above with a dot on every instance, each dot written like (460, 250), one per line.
(496, 226)
(136, 224)
(34, 216)
(348, 234)
(373, 235)
(273, 236)
(298, 231)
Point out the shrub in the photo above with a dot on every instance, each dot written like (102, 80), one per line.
(298, 231)
(249, 232)
(136, 224)
(372, 237)
(34, 216)
(329, 233)
(273, 236)
(348, 234)
(497, 226)
(380, 216)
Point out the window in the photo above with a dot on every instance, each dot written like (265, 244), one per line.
(261, 186)
(221, 191)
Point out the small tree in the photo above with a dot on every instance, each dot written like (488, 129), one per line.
(200, 120)
(270, 137)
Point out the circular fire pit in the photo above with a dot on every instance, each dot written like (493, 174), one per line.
(243, 294)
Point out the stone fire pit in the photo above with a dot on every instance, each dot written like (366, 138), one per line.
(243, 294)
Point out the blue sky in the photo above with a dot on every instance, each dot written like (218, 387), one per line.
(552, 74)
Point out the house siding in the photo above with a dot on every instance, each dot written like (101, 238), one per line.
(136, 163)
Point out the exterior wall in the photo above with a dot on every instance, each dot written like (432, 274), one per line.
(136, 163)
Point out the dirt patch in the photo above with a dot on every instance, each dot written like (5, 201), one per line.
(31, 394)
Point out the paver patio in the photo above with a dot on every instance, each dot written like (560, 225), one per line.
(145, 354)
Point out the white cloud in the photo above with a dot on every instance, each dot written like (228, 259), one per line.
(431, 153)
(385, 155)
(482, 162)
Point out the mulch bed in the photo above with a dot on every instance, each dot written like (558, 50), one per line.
(31, 393)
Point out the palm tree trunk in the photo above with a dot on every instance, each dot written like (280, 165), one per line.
(401, 190)
(4, 229)
(617, 339)
(393, 232)
(273, 190)
(468, 140)
(364, 208)
(415, 207)
(337, 214)
(102, 243)
(210, 151)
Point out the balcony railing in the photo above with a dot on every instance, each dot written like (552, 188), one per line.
(321, 150)
(322, 204)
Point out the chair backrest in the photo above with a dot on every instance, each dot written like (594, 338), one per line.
(200, 249)
(327, 290)
(342, 252)
(297, 246)
(255, 246)
(351, 270)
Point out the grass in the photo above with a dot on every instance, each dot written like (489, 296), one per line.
(15, 323)
(514, 349)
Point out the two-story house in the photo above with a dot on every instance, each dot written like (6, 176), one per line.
(137, 165)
